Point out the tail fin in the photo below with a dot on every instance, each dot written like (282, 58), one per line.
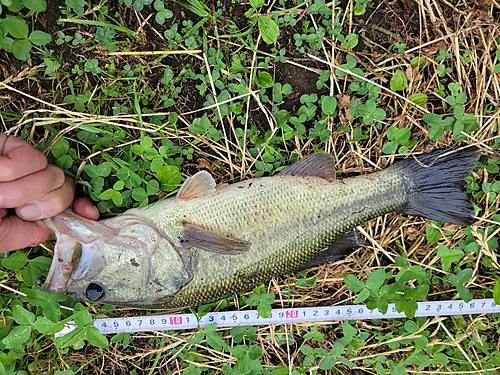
(436, 184)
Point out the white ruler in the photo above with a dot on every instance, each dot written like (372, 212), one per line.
(282, 316)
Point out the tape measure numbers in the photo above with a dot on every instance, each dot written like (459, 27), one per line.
(282, 316)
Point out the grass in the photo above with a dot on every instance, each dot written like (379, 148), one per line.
(131, 97)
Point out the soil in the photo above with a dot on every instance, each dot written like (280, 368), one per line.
(378, 28)
(384, 23)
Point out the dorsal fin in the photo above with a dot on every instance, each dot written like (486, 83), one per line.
(202, 184)
(319, 164)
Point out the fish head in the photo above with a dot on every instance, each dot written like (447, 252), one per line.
(121, 261)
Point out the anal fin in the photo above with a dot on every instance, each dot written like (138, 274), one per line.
(343, 245)
(210, 241)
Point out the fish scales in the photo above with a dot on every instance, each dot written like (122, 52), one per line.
(254, 211)
(209, 242)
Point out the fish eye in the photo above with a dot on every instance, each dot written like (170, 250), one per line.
(94, 292)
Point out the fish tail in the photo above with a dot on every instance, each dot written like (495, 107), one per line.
(435, 183)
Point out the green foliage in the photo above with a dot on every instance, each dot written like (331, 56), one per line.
(203, 126)
(449, 256)
(35, 5)
(399, 140)
(460, 124)
(240, 333)
(268, 29)
(418, 61)
(399, 82)
(15, 35)
(360, 6)
(350, 41)
(368, 288)
(262, 300)
(77, 6)
(496, 69)
(320, 131)
(377, 295)
(368, 111)
(496, 292)
(459, 281)
(339, 347)
(30, 270)
(248, 360)
(304, 281)
(130, 181)
(432, 233)
(163, 13)
(418, 98)
(138, 4)
(328, 105)
(267, 25)
(85, 331)
(264, 80)
(212, 337)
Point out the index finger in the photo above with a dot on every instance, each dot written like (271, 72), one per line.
(18, 158)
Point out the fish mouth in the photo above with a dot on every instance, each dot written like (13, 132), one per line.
(66, 248)
(76, 255)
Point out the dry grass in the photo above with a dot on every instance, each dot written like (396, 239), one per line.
(468, 25)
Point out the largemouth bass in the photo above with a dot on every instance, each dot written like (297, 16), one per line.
(212, 241)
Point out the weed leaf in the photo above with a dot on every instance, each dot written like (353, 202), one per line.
(376, 279)
(39, 38)
(15, 261)
(47, 326)
(18, 336)
(21, 48)
(35, 5)
(77, 6)
(353, 283)
(328, 105)
(96, 338)
(264, 80)
(399, 81)
(17, 27)
(22, 316)
(268, 29)
(496, 292)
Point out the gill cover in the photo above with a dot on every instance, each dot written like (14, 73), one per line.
(123, 260)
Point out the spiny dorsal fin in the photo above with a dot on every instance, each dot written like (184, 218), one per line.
(320, 165)
(202, 184)
(210, 241)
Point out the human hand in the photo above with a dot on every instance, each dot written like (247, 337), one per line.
(36, 190)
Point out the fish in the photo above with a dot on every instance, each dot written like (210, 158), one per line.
(211, 241)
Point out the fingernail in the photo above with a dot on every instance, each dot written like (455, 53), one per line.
(31, 211)
(96, 211)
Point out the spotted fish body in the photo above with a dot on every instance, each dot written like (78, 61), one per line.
(210, 242)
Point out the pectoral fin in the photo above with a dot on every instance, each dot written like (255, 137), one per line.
(342, 246)
(210, 241)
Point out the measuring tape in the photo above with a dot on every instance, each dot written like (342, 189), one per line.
(282, 316)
